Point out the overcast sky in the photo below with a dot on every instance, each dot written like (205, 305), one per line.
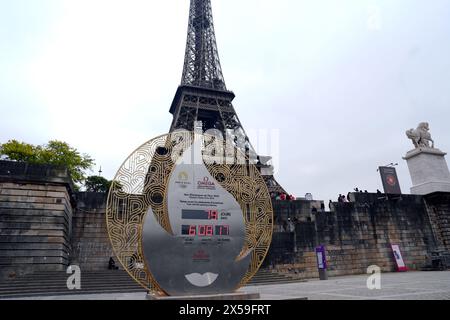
(342, 80)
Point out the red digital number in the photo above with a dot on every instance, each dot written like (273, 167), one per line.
(205, 231)
(213, 215)
(192, 230)
(209, 231)
(224, 230)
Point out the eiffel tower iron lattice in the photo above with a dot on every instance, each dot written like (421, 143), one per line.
(203, 97)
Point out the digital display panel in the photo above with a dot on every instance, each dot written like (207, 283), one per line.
(205, 230)
(199, 215)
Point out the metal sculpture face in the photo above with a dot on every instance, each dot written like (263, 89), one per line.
(183, 223)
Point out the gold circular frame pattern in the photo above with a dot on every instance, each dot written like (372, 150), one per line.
(142, 182)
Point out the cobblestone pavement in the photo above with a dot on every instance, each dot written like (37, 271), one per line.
(394, 286)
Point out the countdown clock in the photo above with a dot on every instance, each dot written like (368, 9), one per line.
(183, 222)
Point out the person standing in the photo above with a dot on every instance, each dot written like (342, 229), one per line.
(331, 205)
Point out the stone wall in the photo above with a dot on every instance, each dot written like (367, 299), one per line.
(90, 242)
(44, 226)
(357, 235)
(438, 206)
(35, 218)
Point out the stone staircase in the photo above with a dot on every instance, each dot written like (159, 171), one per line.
(267, 277)
(54, 284)
(96, 282)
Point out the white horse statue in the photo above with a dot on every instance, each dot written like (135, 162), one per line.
(421, 137)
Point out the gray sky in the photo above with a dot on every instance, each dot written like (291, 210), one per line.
(342, 80)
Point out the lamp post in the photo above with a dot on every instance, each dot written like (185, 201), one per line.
(391, 165)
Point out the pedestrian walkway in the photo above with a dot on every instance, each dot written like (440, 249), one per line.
(394, 286)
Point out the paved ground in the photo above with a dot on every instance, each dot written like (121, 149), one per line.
(394, 286)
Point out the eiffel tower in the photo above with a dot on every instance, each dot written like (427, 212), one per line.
(203, 97)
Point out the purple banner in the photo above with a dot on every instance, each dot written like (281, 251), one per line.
(321, 257)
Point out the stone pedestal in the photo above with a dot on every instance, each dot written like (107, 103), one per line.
(241, 296)
(429, 171)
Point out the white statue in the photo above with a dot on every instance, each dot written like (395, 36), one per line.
(421, 137)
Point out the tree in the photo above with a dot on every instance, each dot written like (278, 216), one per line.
(61, 154)
(19, 151)
(97, 184)
(54, 153)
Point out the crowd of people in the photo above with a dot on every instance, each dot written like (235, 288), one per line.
(282, 197)
(343, 198)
